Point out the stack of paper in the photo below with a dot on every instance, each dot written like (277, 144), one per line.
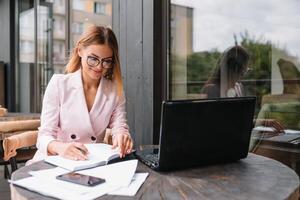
(272, 129)
(120, 180)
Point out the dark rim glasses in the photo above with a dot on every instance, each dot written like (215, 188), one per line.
(106, 63)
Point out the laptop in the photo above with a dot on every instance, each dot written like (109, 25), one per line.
(201, 132)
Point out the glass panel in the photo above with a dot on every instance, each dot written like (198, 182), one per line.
(44, 48)
(59, 36)
(89, 12)
(26, 59)
(39, 54)
(26, 32)
(242, 48)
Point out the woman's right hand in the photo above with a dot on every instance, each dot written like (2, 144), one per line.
(71, 150)
(275, 124)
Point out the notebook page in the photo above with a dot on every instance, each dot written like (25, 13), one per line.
(98, 155)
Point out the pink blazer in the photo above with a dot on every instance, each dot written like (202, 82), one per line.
(65, 116)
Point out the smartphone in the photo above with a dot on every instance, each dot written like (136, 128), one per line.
(81, 179)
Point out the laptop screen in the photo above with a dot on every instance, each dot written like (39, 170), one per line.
(205, 131)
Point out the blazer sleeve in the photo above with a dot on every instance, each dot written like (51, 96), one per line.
(118, 121)
(49, 116)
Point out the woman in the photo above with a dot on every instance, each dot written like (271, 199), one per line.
(79, 106)
(224, 82)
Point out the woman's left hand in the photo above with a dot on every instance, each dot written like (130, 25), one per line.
(124, 142)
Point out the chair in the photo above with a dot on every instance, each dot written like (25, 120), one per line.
(19, 148)
(290, 81)
(11, 131)
(290, 76)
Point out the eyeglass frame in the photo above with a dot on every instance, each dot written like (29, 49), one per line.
(246, 71)
(100, 61)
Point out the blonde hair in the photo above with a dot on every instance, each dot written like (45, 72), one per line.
(98, 35)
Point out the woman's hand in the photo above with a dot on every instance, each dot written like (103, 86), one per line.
(72, 150)
(124, 142)
(276, 125)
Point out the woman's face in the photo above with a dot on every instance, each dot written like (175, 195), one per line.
(96, 60)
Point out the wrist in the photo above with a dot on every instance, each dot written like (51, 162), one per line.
(54, 147)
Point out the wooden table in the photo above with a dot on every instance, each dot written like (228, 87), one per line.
(20, 116)
(255, 177)
(16, 117)
(279, 148)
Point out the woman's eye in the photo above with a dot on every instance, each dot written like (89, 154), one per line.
(107, 62)
(94, 59)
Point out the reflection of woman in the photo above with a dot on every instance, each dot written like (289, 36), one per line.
(79, 106)
(224, 82)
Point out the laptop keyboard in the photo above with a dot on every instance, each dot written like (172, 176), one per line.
(152, 157)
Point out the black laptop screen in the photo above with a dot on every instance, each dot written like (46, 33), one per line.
(206, 130)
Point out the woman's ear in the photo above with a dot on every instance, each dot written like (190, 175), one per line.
(79, 52)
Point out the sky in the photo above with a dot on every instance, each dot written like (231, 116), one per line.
(215, 22)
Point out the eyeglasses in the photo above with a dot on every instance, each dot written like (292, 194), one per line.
(106, 63)
(246, 71)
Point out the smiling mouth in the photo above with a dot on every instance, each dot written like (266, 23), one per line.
(97, 72)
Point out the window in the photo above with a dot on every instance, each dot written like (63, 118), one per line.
(26, 47)
(60, 2)
(45, 38)
(77, 28)
(78, 5)
(240, 48)
(99, 8)
(59, 35)
(87, 13)
(26, 36)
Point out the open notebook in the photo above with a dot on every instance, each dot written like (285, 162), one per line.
(99, 154)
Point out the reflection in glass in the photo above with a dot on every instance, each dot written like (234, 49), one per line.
(26, 31)
(59, 35)
(44, 48)
(200, 33)
(225, 80)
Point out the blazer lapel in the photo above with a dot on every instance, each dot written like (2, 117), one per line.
(100, 100)
(81, 101)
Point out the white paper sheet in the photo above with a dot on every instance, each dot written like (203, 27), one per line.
(116, 175)
(136, 182)
(292, 132)
(271, 129)
(119, 174)
(64, 190)
(264, 128)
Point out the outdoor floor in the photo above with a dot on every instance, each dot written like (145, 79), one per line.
(4, 186)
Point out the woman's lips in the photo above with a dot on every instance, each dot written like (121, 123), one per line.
(97, 72)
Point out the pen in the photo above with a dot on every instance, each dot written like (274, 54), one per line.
(82, 151)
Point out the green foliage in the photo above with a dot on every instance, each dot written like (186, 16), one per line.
(257, 82)
(199, 66)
